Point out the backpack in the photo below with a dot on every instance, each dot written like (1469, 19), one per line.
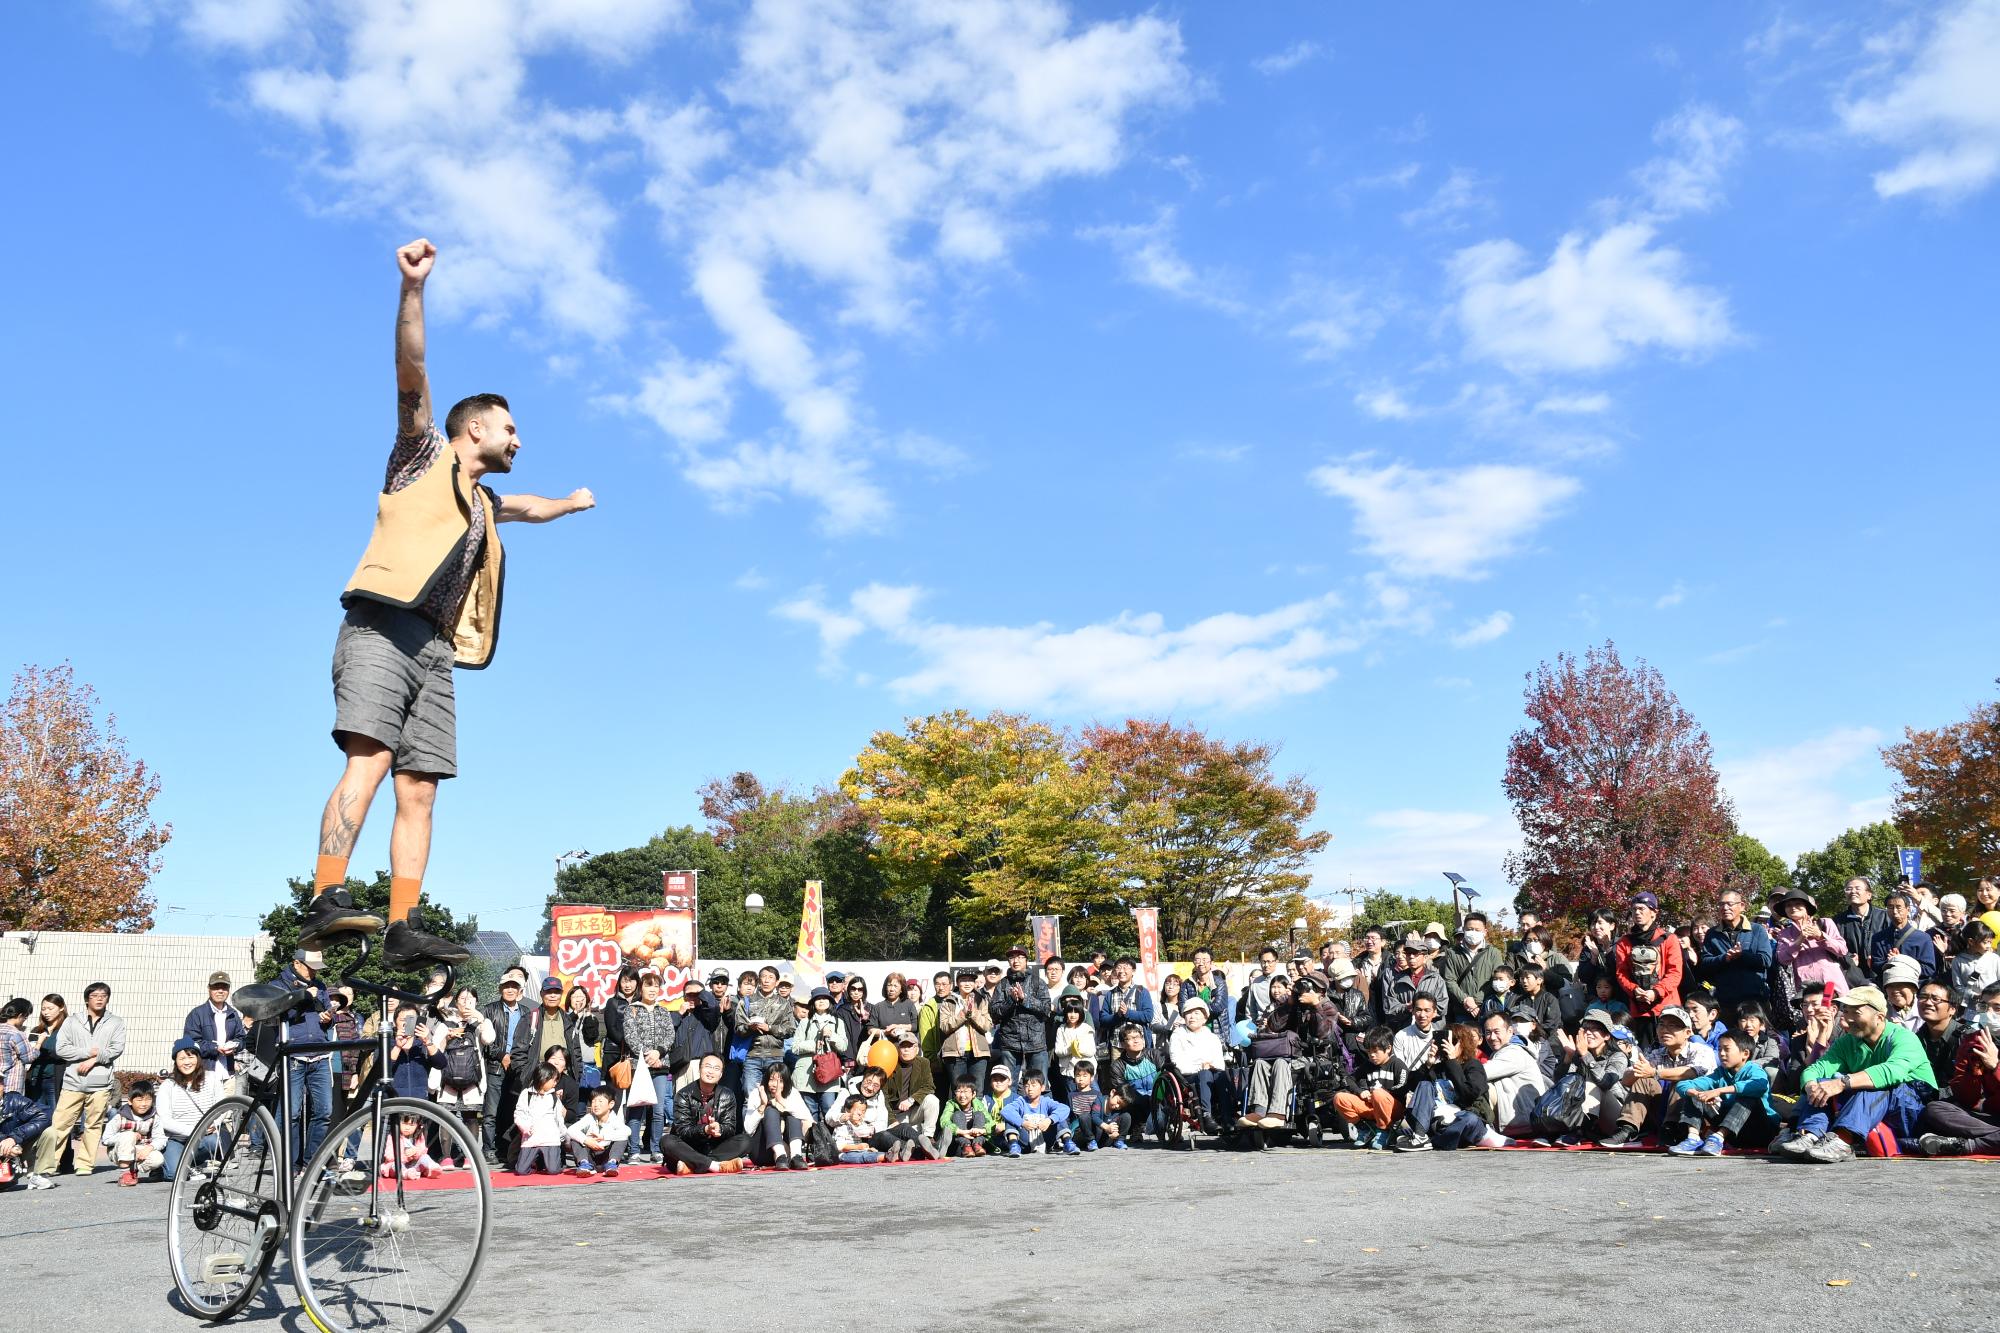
(463, 1067)
(1645, 961)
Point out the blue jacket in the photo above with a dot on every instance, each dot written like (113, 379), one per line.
(1018, 1106)
(1221, 1016)
(1751, 1083)
(1911, 941)
(1138, 1009)
(22, 1118)
(1744, 977)
(200, 1028)
(307, 1027)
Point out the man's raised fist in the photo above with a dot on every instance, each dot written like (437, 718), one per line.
(415, 259)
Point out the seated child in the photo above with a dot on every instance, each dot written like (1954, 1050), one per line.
(598, 1138)
(967, 1122)
(853, 1136)
(410, 1147)
(538, 1115)
(1000, 1090)
(1383, 1082)
(137, 1139)
(1196, 1053)
(1086, 1107)
(1499, 992)
(1734, 1102)
(1041, 1121)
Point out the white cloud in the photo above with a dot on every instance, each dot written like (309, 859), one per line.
(1395, 178)
(1444, 523)
(1385, 403)
(1408, 850)
(1673, 596)
(1485, 631)
(1328, 318)
(1594, 304)
(1453, 205)
(1702, 145)
(1289, 59)
(1795, 798)
(1148, 254)
(1132, 662)
(1573, 404)
(688, 400)
(1941, 108)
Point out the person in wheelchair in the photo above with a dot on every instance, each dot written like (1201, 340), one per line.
(1196, 1055)
(1323, 1065)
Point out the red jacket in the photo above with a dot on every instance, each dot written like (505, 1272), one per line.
(1974, 1088)
(1667, 986)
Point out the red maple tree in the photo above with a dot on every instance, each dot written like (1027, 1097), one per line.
(1615, 789)
(78, 844)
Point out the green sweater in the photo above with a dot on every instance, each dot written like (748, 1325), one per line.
(1896, 1057)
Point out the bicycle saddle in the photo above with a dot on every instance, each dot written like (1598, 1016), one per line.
(269, 1001)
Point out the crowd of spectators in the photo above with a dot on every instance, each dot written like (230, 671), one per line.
(1806, 1033)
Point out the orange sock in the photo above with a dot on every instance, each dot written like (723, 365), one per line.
(403, 897)
(329, 873)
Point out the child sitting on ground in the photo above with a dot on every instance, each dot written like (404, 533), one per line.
(852, 1134)
(1734, 1101)
(1086, 1107)
(137, 1140)
(599, 1136)
(539, 1118)
(1000, 1090)
(1041, 1121)
(967, 1122)
(1196, 1053)
(1383, 1082)
(1974, 967)
(408, 1146)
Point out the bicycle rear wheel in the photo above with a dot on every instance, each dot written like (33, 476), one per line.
(397, 1253)
(224, 1217)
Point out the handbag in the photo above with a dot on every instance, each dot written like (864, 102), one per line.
(640, 1091)
(1564, 1103)
(826, 1067)
(620, 1073)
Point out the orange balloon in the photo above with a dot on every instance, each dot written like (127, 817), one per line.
(882, 1055)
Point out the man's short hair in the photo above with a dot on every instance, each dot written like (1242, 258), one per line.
(767, 968)
(1201, 949)
(465, 409)
(1126, 960)
(1475, 915)
(96, 986)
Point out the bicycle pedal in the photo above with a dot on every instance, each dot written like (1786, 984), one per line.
(221, 1267)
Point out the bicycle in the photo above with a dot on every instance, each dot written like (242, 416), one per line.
(374, 1242)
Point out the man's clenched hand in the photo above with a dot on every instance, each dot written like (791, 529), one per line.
(415, 259)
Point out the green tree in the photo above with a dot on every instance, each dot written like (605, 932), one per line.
(631, 878)
(1869, 852)
(1757, 868)
(1396, 914)
(343, 959)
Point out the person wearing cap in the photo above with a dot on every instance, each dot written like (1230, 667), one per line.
(216, 1028)
(1736, 954)
(1874, 1074)
(1653, 1075)
(310, 1076)
(1195, 1051)
(1902, 937)
(910, 1096)
(1467, 968)
(820, 1032)
(507, 1063)
(1810, 948)
(1899, 988)
(1021, 1008)
(1649, 966)
(965, 1019)
(1597, 1064)
(1410, 975)
(185, 1095)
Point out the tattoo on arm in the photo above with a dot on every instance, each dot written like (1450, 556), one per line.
(339, 829)
(408, 402)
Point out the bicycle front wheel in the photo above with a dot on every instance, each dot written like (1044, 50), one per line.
(224, 1217)
(389, 1245)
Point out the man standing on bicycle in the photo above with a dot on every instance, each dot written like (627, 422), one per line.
(424, 599)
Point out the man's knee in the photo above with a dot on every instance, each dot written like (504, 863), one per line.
(416, 792)
(367, 758)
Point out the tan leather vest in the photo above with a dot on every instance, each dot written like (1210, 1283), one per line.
(417, 535)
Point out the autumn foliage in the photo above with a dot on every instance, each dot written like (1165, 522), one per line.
(78, 844)
(1615, 789)
(1947, 798)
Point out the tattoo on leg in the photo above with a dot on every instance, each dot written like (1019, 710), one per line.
(338, 830)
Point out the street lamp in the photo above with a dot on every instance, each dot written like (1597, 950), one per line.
(754, 903)
(1299, 927)
(576, 855)
(1459, 890)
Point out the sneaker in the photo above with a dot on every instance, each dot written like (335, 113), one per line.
(1687, 1147)
(611, 1170)
(1069, 1147)
(1618, 1137)
(796, 1162)
(1120, 1145)
(1413, 1143)
(1831, 1150)
(331, 915)
(38, 1182)
(1013, 1150)
(404, 944)
(1942, 1145)
(128, 1178)
(582, 1171)
(1711, 1146)
(1090, 1146)
(1795, 1144)
(1569, 1141)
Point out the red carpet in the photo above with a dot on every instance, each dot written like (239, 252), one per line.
(507, 1180)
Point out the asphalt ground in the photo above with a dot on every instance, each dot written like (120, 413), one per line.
(1286, 1239)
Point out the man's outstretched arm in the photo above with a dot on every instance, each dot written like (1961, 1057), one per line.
(537, 509)
(413, 386)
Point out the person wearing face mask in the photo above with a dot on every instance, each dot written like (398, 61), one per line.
(1500, 992)
(1468, 969)
(1350, 1005)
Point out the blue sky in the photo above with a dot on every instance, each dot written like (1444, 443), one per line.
(1305, 372)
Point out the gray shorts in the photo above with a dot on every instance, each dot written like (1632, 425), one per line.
(392, 683)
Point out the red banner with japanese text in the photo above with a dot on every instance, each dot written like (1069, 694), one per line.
(588, 945)
(1047, 932)
(1149, 945)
